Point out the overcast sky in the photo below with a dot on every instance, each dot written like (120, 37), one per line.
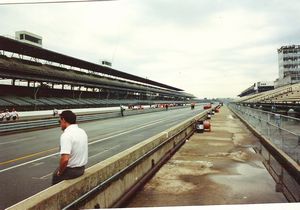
(210, 48)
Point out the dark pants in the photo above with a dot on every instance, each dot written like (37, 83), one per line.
(69, 173)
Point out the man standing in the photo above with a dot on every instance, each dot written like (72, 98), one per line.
(7, 115)
(55, 112)
(14, 114)
(73, 149)
(2, 114)
(122, 110)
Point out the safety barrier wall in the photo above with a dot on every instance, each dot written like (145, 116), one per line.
(52, 122)
(280, 146)
(105, 183)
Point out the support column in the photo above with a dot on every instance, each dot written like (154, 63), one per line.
(36, 90)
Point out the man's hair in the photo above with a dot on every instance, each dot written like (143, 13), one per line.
(68, 116)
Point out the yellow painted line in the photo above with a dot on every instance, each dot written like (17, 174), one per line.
(27, 156)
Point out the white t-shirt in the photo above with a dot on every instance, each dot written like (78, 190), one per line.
(7, 114)
(14, 113)
(74, 141)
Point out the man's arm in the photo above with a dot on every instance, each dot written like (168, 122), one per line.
(64, 159)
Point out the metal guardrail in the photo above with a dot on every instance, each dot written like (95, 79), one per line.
(35, 124)
(283, 133)
(17, 126)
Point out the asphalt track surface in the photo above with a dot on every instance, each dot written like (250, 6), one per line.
(27, 160)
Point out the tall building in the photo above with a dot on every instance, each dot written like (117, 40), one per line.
(289, 65)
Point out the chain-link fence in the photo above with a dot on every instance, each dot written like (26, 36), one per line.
(284, 133)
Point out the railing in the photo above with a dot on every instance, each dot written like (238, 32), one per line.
(280, 146)
(282, 131)
(36, 124)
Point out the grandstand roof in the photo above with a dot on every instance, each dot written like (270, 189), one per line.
(15, 46)
(22, 69)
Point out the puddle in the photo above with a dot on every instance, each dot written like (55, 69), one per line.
(251, 183)
(218, 144)
(185, 163)
(238, 156)
(230, 117)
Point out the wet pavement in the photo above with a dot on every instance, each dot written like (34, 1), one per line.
(212, 168)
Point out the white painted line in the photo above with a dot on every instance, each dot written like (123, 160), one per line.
(32, 161)
(36, 164)
(99, 140)
(125, 132)
(96, 141)
(104, 151)
(20, 140)
(43, 177)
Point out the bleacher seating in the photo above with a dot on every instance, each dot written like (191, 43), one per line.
(47, 102)
(28, 103)
(57, 101)
(5, 103)
(75, 101)
(68, 101)
(90, 101)
(32, 101)
(16, 101)
(289, 93)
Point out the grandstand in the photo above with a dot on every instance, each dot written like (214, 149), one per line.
(281, 99)
(285, 94)
(34, 78)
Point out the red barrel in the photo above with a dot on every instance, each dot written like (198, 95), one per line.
(206, 125)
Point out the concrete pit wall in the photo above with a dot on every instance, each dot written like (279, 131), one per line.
(64, 193)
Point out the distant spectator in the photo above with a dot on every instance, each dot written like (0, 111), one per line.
(273, 109)
(277, 119)
(2, 114)
(167, 106)
(192, 106)
(14, 114)
(55, 112)
(7, 115)
(122, 110)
